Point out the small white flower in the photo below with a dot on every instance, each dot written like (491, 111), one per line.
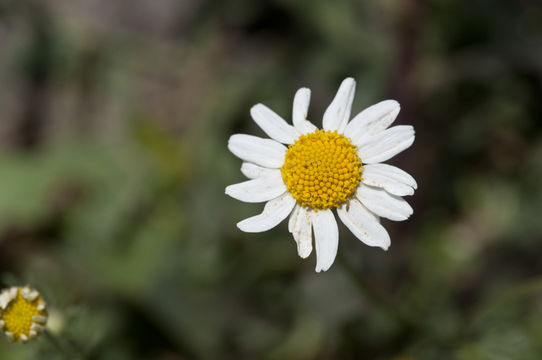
(336, 167)
(23, 313)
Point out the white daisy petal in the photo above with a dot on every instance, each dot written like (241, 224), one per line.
(392, 179)
(292, 222)
(273, 125)
(386, 144)
(258, 190)
(273, 213)
(304, 238)
(300, 110)
(253, 171)
(383, 204)
(326, 238)
(338, 112)
(364, 224)
(300, 226)
(391, 186)
(264, 152)
(392, 173)
(371, 121)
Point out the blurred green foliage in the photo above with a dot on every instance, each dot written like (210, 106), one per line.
(114, 123)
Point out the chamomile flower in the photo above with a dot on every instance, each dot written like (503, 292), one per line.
(338, 167)
(23, 313)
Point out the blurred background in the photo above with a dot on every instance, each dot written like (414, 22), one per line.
(114, 120)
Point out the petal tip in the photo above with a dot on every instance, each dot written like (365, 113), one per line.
(392, 103)
(304, 253)
(242, 225)
(255, 108)
(322, 268)
(233, 137)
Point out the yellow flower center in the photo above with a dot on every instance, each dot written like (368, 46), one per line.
(18, 315)
(322, 169)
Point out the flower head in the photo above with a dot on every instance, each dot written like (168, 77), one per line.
(338, 167)
(322, 170)
(23, 313)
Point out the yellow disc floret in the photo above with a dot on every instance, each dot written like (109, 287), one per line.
(322, 170)
(23, 313)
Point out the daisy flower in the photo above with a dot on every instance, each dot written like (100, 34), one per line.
(23, 313)
(337, 167)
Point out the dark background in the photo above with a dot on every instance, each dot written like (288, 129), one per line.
(114, 119)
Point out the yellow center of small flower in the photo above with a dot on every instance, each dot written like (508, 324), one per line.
(322, 169)
(18, 315)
